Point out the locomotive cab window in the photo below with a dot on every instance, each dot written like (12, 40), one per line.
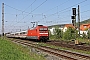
(43, 29)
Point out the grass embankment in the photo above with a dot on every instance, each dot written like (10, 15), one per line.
(11, 51)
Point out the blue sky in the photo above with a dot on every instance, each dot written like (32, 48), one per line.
(20, 13)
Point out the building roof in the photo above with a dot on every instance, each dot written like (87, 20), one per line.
(69, 25)
(84, 27)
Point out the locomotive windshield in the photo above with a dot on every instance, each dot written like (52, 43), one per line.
(43, 29)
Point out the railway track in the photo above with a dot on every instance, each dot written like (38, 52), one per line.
(60, 53)
(69, 45)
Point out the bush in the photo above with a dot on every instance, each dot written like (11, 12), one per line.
(88, 34)
(58, 33)
(69, 34)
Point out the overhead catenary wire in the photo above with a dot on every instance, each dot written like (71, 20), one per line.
(56, 6)
(19, 10)
(85, 16)
(85, 11)
(34, 9)
(45, 16)
(49, 21)
(15, 8)
(66, 9)
(69, 7)
(30, 5)
(37, 7)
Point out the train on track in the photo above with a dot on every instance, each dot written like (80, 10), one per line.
(39, 33)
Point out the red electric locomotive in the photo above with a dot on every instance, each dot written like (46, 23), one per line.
(39, 33)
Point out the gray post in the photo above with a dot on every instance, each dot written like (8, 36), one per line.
(79, 20)
(2, 19)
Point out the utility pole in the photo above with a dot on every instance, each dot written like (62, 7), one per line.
(2, 19)
(79, 20)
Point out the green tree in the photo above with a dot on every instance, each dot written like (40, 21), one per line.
(88, 34)
(84, 35)
(51, 36)
(69, 34)
(58, 33)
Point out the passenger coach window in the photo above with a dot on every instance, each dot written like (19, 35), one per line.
(24, 32)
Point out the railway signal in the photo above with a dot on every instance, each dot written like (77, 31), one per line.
(73, 17)
(73, 20)
(74, 11)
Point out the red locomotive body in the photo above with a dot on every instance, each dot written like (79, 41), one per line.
(39, 33)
